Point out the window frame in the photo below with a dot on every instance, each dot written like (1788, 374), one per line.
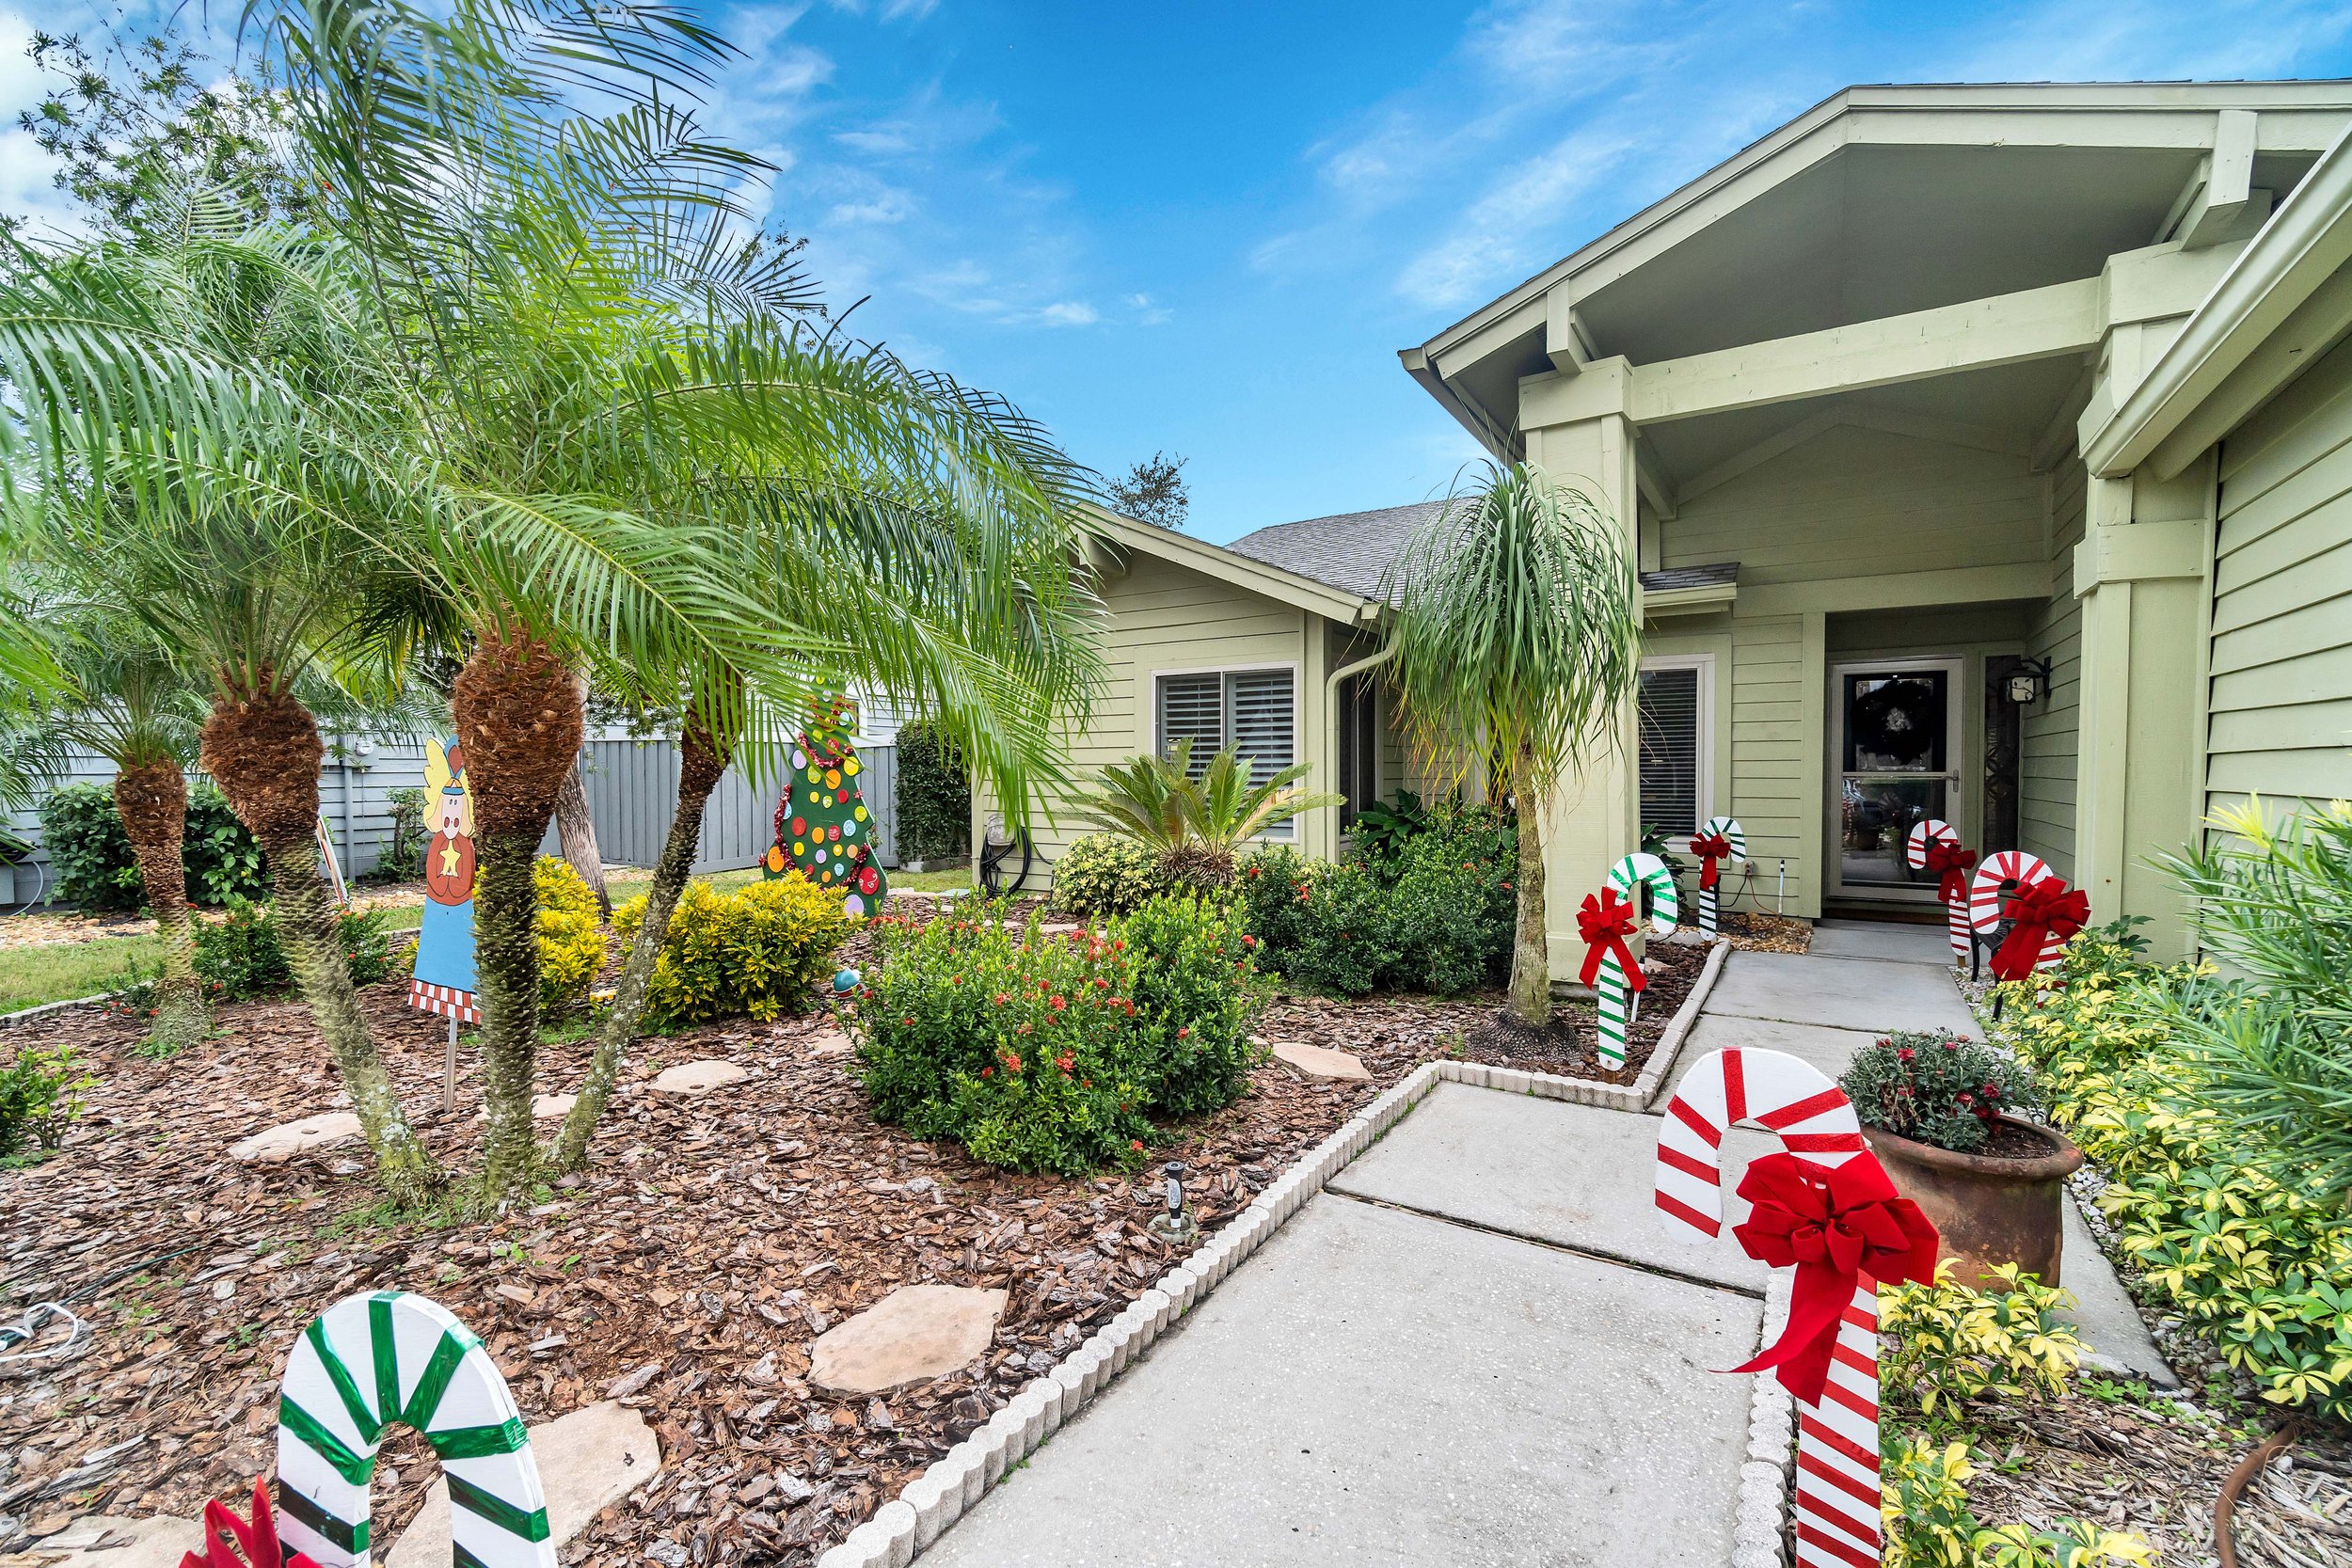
(1703, 762)
(1284, 832)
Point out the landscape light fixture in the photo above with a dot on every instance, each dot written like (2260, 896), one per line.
(1174, 1227)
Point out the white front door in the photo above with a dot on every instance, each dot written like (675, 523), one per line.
(1895, 745)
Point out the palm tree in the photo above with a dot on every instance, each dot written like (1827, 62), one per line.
(1517, 636)
(1196, 822)
(125, 696)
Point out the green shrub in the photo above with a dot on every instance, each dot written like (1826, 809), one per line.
(90, 854)
(39, 1093)
(1325, 926)
(1047, 1053)
(571, 940)
(755, 951)
(224, 860)
(1950, 1342)
(403, 860)
(1019, 1046)
(2254, 1252)
(1923, 1491)
(1451, 912)
(240, 955)
(1934, 1089)
(1107, 874)
(934, 796)
(1196, 1000)
(1383, 829)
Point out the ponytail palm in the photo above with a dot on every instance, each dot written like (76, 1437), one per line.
(1517, 634)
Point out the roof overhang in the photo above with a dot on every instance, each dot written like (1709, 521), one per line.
(1882, 202)
(2285, 301)
(1118, 536)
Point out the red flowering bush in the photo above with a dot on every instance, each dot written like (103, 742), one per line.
(1048, 1052)
(1934, 1089)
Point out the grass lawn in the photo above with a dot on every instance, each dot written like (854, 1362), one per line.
(32, 975)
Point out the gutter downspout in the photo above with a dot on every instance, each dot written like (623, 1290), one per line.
(1331, 699)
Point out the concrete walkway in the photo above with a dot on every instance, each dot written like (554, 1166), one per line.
(1478, 1346)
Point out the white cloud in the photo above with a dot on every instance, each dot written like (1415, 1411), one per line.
(1514, 226)
(1067, 312)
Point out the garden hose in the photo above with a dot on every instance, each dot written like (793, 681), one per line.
(2234, 1486)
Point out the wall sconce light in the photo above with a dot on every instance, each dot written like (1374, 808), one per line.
(2030, 682)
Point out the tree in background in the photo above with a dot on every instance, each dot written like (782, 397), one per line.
(934, 796)
(1517, 625)
(1153, 492)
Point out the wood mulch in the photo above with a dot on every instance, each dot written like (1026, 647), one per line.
(686, 1270)
(1571, 1047)
(1766, 933)
(2154, 1465)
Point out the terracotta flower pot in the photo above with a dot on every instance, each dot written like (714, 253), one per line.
(1988, 1210)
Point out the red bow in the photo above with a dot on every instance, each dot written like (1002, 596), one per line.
(2041, 909)
(1604, 921)
(1836, 1223)
(257, 1545)
(1949, 862)
(1709, 848)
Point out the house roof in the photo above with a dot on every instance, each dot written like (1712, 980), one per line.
(2284, 303)
(1351, 550)
(1332, 600)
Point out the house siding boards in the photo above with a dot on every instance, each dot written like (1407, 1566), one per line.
(1159, 616)
(2049, 730)
(2280, 712)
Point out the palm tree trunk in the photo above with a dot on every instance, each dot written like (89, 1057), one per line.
(152, 797)
(576, 828)
(700, 760)
(520, 714)
(1531, 947)
(262, 749)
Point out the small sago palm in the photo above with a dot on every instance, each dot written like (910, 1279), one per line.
(1196, 822)
(1517, 636)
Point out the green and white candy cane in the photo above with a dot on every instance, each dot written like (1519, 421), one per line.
(370, 1361)
(1618, 1002)
(1719, 839)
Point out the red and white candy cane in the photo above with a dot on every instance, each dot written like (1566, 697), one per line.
(1933, 839)
(2000, 877)
(1824, 1181)
(1719, 839)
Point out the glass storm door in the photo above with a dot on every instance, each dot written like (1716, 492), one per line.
(1894, 748)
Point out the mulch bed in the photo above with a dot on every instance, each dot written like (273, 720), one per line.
(1766, 933)
(1570, 1047)
(689, 1265)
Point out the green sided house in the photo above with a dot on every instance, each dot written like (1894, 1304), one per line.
(1987, 455)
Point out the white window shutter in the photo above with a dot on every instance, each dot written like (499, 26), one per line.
(1192, 708)
(1670, 748)
(1262, 731)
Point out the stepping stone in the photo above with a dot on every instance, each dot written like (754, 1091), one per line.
(588, 1461)
(829, 1042)
(916, 1331)
(279, 1144)
(1319, 1061)
(112, 1541)
(698, 1077)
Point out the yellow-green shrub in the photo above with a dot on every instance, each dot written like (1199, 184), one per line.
(756, 950)
(571, 943)
(1923, 1506)
(1950, 1342)
(2261, 1262)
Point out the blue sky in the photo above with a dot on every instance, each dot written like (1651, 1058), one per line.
(1207, 229)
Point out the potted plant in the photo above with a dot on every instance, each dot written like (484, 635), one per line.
(1939, 1114)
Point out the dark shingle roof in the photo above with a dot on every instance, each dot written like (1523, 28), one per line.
(1350, 551)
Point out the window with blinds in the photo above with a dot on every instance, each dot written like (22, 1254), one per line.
(1249, 710)
(1673, 748)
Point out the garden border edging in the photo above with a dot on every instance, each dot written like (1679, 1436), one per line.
(907, 1525)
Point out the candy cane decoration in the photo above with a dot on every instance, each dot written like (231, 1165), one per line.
(1985, 896)
(1826, 1178)
(1615, 998)
(1719, 838)
(371, 1360)
(1926, 834)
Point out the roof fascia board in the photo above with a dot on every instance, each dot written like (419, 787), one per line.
(1273, 583)
(2298, 259)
